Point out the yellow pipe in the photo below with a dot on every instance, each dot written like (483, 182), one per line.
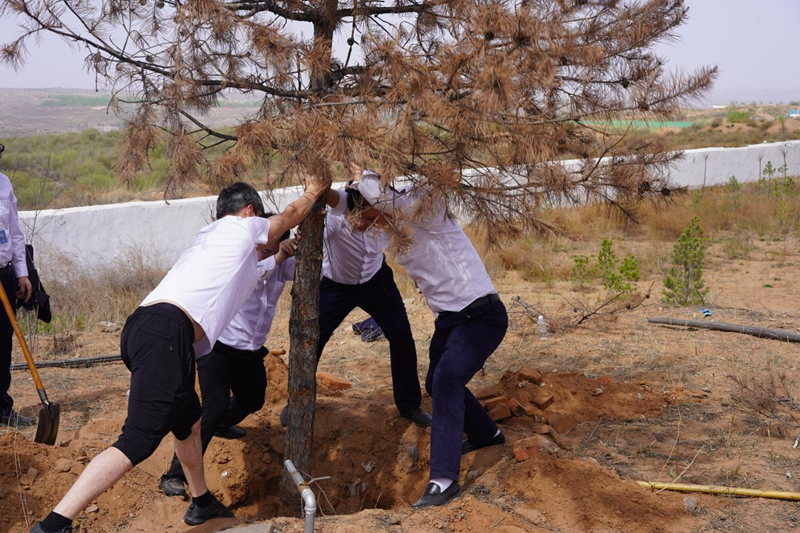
(712, 489)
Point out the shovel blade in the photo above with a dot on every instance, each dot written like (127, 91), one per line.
(47, 430)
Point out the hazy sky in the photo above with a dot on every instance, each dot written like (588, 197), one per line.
(753, 42)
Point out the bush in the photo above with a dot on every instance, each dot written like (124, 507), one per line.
(684, 283)
(736, 116)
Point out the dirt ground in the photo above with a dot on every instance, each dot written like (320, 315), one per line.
(665, 409)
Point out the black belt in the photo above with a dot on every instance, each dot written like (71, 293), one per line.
(483, 300)
(6, 270)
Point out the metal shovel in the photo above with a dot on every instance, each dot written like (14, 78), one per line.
(49, 414)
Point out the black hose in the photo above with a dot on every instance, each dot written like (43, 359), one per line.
(81, 362)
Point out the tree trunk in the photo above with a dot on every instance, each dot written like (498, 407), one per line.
(304, 321)
(304, 336)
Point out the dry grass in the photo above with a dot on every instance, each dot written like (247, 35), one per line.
(80, 299)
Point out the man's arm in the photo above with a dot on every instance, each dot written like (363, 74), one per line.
(18, 260)
(294, 214)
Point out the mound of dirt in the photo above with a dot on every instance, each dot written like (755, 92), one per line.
(378, 465)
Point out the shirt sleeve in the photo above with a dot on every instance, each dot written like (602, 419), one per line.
(17, 240)
(287, 269)
(259, 229)
(341, 207)
(333, 223)
(266, 267)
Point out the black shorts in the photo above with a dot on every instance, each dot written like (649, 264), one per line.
(156, 346)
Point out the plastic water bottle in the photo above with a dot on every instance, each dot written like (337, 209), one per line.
(541, 327)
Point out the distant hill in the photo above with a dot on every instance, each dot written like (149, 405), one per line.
(47, 111)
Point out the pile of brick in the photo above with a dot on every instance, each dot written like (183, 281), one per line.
(522, 399)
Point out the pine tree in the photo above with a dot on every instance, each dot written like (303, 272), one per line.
(473, 102)
(684, 283)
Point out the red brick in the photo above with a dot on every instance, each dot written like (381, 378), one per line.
(491, 403)
(516, 407)
(561, 423)
(530, 409)
(333, 382)
(520, 421)
(604, 379)
(523, 396)
(489, 392)
(501, 412)
(541, 429)
(521, 454)
(542, 399)
(534, 376)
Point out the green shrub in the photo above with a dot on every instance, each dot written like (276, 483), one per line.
(736, 116)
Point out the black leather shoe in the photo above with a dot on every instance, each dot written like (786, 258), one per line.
(285, 416)
(173, 486)
(230, 432)
(434, 497)
(468, 447)
(14, 419)
(418, 416)
(37, 528)
(196, 515)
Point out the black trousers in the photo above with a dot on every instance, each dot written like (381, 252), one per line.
(156, 346)
(224, 371)
(9, 281)
(461, 344)
(380, 298)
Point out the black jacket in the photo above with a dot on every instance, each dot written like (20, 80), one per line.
(39, 301)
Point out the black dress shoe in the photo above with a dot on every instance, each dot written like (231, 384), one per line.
(230, 432)
(196, 515)
(285, 416)
(468, 447)
(418, 416)
(173, 486)
(14, 419)
(435, 497)
(37, 528)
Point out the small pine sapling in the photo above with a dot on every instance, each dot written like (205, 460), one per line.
(684, 283)
(581, 272)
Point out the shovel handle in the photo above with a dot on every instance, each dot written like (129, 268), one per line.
(28, 357)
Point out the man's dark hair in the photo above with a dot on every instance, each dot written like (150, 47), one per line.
(288, 231)
(236, 197)
(355, 201)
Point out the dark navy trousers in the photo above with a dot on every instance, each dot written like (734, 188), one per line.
(461, 344)
(9, 281)
(380, 298)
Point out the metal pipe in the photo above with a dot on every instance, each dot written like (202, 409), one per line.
(306, 495)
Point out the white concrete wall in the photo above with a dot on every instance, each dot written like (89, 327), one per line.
(106, 234)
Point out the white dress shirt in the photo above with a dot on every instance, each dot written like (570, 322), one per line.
(349, 256)
(442, 261)
(249, 328)
(215, 275)
(12, 241)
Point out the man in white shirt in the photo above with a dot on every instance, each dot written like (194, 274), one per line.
(355, 274)
(182, 318)
(236, 364)
(471, 322)
(13, 272)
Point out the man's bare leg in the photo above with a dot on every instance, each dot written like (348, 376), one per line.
(104, 470)
(190, 454)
